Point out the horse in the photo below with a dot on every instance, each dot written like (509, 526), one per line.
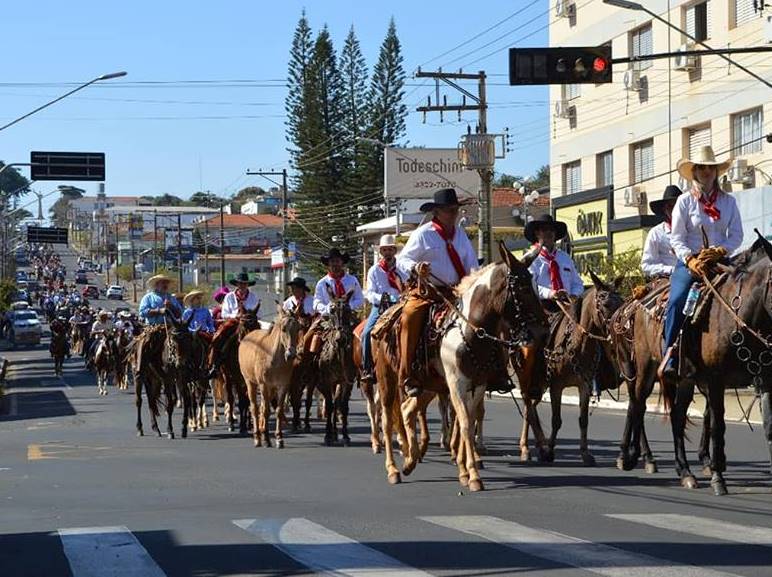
(726, 341)
(78, 337)
(151, 374)
(58, 347)
(266, 361)
(104, 361)
(124, 344)
(577, 355)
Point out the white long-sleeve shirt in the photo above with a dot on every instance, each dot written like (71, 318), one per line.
(322, 297)
(426, 244)
(689, 218)
(378, 283)
(230, 304)
(308, 304)
(658, 255)
(540, 270)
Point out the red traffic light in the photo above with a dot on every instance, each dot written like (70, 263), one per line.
(600, 64)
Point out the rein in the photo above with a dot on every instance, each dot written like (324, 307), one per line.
(741, 323)
(584, 331)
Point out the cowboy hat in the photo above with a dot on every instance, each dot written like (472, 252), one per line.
(154, 280)
(387, 240)
(561, 230)
(335, 253)
(672, 192)
(194, 294)
(242, 278)
(124, 314)
(442, 198)
(704, 156)
(299, 282)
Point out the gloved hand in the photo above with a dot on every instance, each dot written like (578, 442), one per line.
(699, 267)
(712, 254)
(423, 269)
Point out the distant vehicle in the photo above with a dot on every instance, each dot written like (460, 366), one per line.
(21, 275)
(114, 292)
(26, 328)
(90, 292)
(81, 277)
(19, 306)
(22, 285)
(33, 286)
(21, 295)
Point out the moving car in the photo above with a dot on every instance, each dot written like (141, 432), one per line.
(81, 277)
(26, 328)
(90, 292)
(114, 292)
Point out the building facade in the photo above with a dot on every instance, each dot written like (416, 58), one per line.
(614, 147)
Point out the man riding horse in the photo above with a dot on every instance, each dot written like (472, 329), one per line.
(658, 259)
(157, 301)
(300, 294)
(101, 327)
(438, 249)
(553, 270)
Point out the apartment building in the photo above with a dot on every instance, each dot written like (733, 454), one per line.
(614, 147)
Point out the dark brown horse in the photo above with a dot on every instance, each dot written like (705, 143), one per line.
(150, 374)
(58, 347)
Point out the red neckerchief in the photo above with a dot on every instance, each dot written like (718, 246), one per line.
(391, 274)
(555, 280)
(340, 290)
(708, 205)
(447, 236)
(668, 224)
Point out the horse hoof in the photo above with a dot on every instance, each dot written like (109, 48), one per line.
(231, 429)
(719, 488)
(184, 435)
(257, 443)
(376, 449)
(408, 468)
(689, 482)
(280, 443)
(479, 464)
(307, 429)
(588, 460)
(621, 464)
(476, 485)
(328, 443)
(651, 467)
(464, 480)
(482, 450)
(525, 456)
(394, 479)
(171, 435)
(140, 433)
(707, 471)
(546, 455)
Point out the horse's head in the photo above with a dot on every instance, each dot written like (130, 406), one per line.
(288, 325)
(605, 301)
(522, 305)
(340, 309)
(248, 320)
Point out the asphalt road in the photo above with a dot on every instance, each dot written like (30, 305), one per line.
(82, 495)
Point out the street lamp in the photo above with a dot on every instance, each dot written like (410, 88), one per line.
(63, 96)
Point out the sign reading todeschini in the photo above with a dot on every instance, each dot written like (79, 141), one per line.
(418, 172)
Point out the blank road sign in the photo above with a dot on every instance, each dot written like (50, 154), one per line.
(67, 166)
(47, 235)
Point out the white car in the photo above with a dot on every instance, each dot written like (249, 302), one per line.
(26, 328)
(114, 292)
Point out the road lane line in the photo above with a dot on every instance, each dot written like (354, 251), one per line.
(325, 551)
(702, 527)
(107, 552)
(558, 548)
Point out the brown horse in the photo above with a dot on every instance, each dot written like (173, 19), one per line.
(727, 342)
(266, 361)
(58, 347)
(104, 361)
(150, 373)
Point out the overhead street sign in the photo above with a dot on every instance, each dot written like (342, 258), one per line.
(67, 166)
(46, 235)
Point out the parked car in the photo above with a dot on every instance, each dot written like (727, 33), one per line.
(90, 292)
(114, 292)
(21, 296)
(22, 285)
(81, 277)
(26, 328)
(21, 275)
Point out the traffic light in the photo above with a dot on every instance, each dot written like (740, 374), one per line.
(577, 65)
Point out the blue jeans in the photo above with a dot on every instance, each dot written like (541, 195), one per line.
(680, 282)
(367, 349)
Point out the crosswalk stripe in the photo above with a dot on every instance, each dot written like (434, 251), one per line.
(559, 548)
(325, 551)
(107, 552)
(702, 527)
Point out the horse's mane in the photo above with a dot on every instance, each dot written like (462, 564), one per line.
(469, 280)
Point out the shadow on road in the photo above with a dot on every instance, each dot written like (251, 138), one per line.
(35, 405)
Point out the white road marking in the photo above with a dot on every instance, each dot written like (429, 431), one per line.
(107, 552)
(703, 527)
(325, 551)
(556, 547)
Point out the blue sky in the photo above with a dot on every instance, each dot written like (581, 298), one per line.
(176, 138)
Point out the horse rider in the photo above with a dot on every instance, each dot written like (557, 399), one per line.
(554, 272)
(705, 208)
(658, 258)
(384, 287)
(196, 314)
(218, 296)
(300, 294)
(124, 323)
(442, 250)
(158, 301)
(102, 326)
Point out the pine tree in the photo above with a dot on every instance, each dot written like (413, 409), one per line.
(354, 108)
(297, 102)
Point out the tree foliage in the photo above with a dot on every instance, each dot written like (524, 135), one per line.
(625, 265)
(205, 199)
(12, 182)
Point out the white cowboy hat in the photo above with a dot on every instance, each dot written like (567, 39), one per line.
(154, 280)
(387, 240)
(124, 314)
(705, 156)
(192, 295)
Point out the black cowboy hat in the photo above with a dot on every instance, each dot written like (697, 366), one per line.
(442, 198)
(335, 253)
(672, 192)
(561, 230)
(299, 282)
(242, 277)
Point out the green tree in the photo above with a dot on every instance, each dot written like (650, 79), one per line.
(505, 180)
(626, 265)
(298, 101)
(167, 200)
(12, 182)
(541, 179)
(354, 108)
(205, 199)
(248, 193)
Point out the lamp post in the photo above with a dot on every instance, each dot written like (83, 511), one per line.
(65, 95)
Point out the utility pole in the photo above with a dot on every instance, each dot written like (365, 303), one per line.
(284, 209)
(206, 250)
(179, 250)
(479, 104)
(155, 242)
(222, 244)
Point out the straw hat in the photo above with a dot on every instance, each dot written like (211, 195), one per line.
(387, 240)
(705, 156)
(154, 280)
(191, 296)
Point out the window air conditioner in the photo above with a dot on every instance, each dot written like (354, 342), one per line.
(635, 196)
(739, 172)
(685, 61)
(565, 9)
(563, 109)
(632, 80)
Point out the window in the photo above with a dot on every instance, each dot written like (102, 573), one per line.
(571, 91)
(698, 20)
(643, 160)
(744, 11)
(641, 44)
(746, 132)
(572, 177)
(605, 168)
(696, 138)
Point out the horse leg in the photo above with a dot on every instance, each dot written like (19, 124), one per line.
(525, 452)
(704, 453)
(265, 415)
(389, 415)
(409, 411)
(556, 401)
(423, 423)
(444, 405)
(643, 388)
(280, 418)
(479, 441)
(171, 402)
(584, 421)
(683, 398)
(345, 396)
(231, 400)
(650, 463)
(309, 400)
(368, 393)
(766, 414)
(330, 431)
(718, 430)
(624, 443)
(138, 404)
(184, 393)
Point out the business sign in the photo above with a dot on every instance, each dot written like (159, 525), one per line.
(418, 172)
(585, 221)
(276, 255)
